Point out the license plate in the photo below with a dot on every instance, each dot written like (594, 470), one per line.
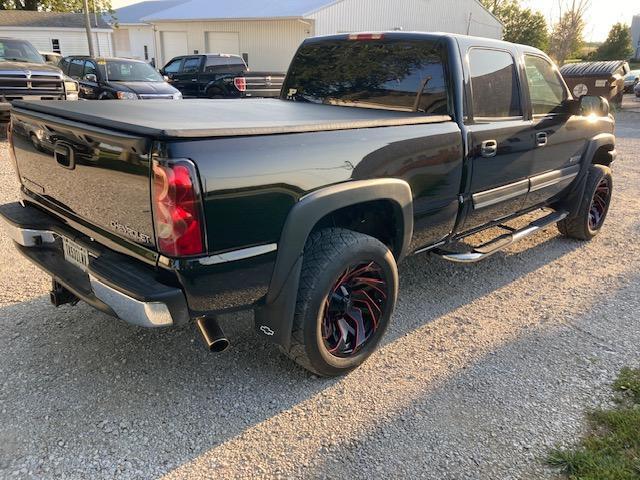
(75, 254)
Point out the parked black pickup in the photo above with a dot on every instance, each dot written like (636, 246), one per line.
(380, 146)
(220, 76)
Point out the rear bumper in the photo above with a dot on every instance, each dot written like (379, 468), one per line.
(113, 283)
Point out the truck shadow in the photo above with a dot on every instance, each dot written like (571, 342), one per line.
(94, 393)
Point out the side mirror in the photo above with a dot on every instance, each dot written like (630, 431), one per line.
(592, 105)
(166, 79)
(90, 77)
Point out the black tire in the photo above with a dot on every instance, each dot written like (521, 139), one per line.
(587, 222)
(329, 255)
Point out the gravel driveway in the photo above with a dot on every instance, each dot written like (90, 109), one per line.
(484, 368)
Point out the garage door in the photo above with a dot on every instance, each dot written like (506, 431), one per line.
(223, 42)
(173, 44)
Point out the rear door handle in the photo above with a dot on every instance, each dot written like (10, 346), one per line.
(489, 148)
(541, 139)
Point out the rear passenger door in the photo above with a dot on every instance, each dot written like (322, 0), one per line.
(500, 137)
(560, 138)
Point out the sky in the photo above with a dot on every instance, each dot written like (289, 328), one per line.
(601, 16)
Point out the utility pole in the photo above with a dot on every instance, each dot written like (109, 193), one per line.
(87, 25)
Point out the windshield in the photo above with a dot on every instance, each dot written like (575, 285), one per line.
(382, 74)
(124, 71)
(632, 75)
(18, 51)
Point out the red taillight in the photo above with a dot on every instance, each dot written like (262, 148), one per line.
(177, 210)
(366, 36)
(240, 83)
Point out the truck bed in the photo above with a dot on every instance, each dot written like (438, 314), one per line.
(220, 118)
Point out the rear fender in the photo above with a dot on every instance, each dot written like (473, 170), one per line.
(274, 318)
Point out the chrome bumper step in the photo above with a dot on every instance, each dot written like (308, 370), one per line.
(501, 242)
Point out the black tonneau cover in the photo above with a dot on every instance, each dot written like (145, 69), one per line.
(220, 118)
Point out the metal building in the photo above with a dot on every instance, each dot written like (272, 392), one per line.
(267, 33)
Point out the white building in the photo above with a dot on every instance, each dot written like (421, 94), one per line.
(268, 32)
(62, 33)
(635, 36)
(132, 37)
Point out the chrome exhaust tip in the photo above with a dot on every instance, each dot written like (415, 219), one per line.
(212, 334)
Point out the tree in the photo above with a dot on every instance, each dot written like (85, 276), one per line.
(566, 38)
(521, 25)
(74, 6)
(617, 46)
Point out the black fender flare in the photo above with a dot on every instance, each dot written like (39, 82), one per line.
(274, 316)
(572, 201)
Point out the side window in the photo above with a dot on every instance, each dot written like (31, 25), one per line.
(90, 69)
(213, 64)
(546, 89)
(173, 66)
(494, 83)
(64, 66)
(75, 68)
(191, 65)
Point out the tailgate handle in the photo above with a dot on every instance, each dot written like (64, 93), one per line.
(64, 155)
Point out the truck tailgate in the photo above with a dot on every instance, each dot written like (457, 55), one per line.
(97, 176)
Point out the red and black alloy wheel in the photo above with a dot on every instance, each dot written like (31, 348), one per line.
(599, 204)
(353, 309)
(347, 291)
(592, 207)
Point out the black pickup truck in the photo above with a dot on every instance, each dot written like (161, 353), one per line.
(381, 146)
(220, 76)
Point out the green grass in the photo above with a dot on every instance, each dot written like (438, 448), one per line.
(611, 451)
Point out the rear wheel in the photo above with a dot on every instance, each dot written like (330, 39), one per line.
(593, 208)
(348, 289)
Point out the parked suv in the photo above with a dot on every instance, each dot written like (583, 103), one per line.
(117, 78)
(24, 75)
(220, 76)
(381, 146)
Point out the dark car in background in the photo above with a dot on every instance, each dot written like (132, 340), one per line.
(24, 75)
(117, 78)
(605, 79)
(220, 76)
(631, 80)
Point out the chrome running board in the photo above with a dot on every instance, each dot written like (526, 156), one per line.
(499, 243)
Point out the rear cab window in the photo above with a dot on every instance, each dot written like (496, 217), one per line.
(495, 89)
(388, 74)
